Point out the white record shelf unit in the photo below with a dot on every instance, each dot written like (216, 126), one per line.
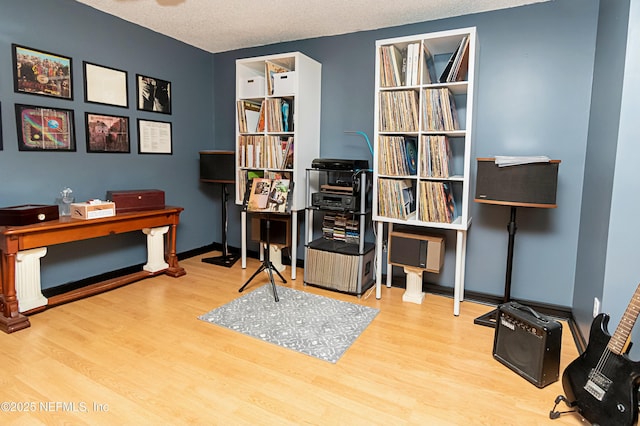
(423, 138)
(277, 127)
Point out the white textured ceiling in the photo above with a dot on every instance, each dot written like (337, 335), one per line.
(222, 25)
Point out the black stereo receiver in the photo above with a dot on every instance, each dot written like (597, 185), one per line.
(326, 200)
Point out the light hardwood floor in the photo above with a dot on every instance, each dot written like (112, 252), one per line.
(138, 355)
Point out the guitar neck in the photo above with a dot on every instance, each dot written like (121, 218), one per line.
(619, 339)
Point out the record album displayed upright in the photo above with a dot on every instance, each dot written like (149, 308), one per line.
(412, 155)
(266, 195)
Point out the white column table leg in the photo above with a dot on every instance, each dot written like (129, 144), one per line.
(413, 292)
(155, 249)
(28, 285)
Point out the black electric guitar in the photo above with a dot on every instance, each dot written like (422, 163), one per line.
(602, 383)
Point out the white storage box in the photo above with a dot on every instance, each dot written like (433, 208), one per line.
(284, 83)
(252, 87)
(89, 210)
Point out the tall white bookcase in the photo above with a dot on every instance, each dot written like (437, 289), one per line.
(407, 104)
(297, 83)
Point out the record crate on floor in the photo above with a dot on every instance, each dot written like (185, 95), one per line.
(338, 266)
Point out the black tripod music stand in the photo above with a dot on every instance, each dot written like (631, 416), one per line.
(523, 185)
(267, 196)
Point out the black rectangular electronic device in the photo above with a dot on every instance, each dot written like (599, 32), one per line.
(528, 343)
(339, 164)
(328, 200)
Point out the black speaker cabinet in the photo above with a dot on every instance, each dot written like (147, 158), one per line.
(217, 166)
(417, 250)
(528, 343)
(525, 184)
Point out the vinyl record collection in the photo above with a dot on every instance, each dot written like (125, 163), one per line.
(439, 110)
(399, 111)
(332, 270)
(437, 203)
(271, 151)
(405, 66)
(272, 115)
(396, 198)
(400, 155)
(435, 153)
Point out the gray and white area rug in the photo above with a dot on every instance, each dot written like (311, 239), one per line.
(308, 323)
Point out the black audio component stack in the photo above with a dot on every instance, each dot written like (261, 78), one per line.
(342, 191)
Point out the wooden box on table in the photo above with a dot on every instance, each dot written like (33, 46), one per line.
(27, 214)
(132, 200)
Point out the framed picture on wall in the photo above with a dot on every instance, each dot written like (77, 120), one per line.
(153, 94)
(105, 85)
(37, 72)
(154, 137)
(44, 129)
(107, 133)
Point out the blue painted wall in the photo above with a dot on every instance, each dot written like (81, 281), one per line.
(535, 74)
(534, 88)
(622, 270)
(69, 28)
(600, 161)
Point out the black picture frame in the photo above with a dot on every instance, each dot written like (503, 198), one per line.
(1, 146)
(153, 94)
(37, 72)
(105, 85)
(154, 137)
(45, 128)
(107, 133)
